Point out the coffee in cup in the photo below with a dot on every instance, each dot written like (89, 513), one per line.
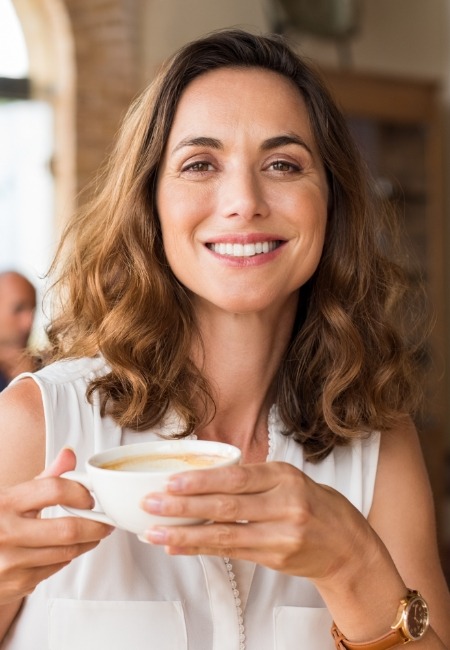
(163, 462)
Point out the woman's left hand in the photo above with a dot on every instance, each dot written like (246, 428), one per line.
(269, 513)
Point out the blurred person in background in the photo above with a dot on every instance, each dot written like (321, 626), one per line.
(17, 307)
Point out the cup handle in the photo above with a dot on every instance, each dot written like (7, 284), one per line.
(94, 515)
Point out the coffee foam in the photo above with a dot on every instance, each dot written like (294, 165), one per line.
(163, 462)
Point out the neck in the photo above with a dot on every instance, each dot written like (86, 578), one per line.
(240, 357)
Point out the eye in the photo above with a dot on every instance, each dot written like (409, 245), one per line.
(200, 166)
(284, 166)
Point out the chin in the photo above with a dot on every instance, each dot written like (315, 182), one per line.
(245, 304)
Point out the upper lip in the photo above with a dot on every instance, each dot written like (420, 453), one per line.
(244, 238)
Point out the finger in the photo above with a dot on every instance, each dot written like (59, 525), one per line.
(247, 541)
(21, 569)
(250, 492)
(65, 461)
(222, 507)
(24, 583)
(22, 577)
(221, 537)
(21, 560)
(60, 531)
(236, 479)
(34, 495)
(258, 556)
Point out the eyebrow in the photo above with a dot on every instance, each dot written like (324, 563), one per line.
(201, 141)
(267, 145)
(282, 140)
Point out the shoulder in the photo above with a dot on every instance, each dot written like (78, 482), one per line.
(63, 384)
(22, 432)
(37, 411)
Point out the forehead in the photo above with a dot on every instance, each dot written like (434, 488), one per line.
(235, 96)
(15, 289)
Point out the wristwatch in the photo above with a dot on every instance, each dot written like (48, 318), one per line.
(410, 624)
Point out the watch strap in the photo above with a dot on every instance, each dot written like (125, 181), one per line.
(390, 640)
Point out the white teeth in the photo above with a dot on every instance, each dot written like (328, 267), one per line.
(244, 250)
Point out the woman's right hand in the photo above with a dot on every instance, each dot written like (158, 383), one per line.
(33, 548)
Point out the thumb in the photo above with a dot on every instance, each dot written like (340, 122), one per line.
(64, 462)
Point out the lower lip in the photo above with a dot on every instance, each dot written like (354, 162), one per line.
(245, 262)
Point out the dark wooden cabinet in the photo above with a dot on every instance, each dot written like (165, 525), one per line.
(397, 124)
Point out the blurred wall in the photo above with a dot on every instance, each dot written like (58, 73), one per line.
(398, 37)
(166, 24)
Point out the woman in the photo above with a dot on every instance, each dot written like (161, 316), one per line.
(227, 283)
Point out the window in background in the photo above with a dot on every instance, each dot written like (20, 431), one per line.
(26, 147)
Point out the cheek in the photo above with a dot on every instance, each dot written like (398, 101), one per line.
(176, 233)
(174, 207)
(170, 243)
(169, 222)
(180, 213)
(311, 221)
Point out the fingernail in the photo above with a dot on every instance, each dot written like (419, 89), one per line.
(156, 535)
(153, 504)
(175, 484)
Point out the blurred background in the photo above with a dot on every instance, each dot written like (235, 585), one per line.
(70, 68)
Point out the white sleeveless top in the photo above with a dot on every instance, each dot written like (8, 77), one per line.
(126, 594)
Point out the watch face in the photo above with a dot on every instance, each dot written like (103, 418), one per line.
(417, 618)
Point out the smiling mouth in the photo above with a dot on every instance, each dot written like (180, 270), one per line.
(244, 250)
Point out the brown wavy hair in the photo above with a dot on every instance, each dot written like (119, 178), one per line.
(352, 364)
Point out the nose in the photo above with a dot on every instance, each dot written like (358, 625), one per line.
(243, 195)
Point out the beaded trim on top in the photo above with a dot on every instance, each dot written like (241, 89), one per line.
(273, 425)
(237, 602)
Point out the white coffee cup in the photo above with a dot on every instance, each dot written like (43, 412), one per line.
(120, 477)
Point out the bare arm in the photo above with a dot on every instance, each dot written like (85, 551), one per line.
(405, 555)
(32, 549)
(29, 417)
(403, 516)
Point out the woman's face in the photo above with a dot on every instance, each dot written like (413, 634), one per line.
(242, 192)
